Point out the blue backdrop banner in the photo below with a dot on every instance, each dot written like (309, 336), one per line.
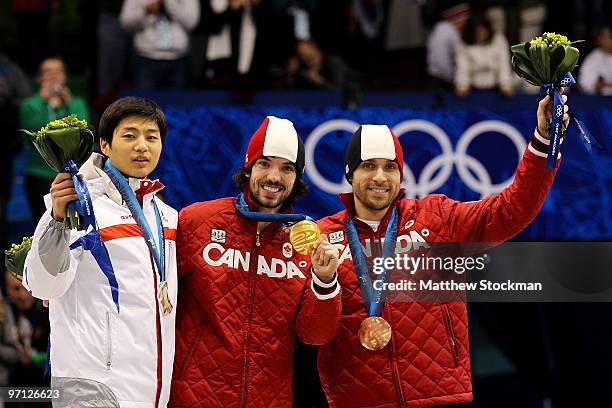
(464, 153)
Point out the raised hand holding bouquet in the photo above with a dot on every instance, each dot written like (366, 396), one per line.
(14, 258)
(547, 61)
(65, 144)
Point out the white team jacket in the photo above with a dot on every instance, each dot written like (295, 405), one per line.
(97, 352)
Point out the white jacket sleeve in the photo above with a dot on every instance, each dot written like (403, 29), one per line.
(462, 63)
(133, 15)
(185, 12)
(505, 70)
(50, 266)
(589, 74)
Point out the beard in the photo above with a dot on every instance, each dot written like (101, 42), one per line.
(264, 202)
(361, 194)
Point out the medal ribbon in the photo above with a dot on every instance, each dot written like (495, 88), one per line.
(158, 252)
(372, 298)
(556, 127)
(83, 204)
(285, 219)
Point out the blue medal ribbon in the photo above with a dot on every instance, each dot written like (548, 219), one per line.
(92, 241)
(285, 219)
(83, 205)
(157, 251)
(372, 298)
(556, 128)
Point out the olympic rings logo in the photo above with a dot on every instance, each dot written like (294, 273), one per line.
(565, 81)
(559, 110)
(471, 171)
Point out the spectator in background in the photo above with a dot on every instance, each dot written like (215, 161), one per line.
(231, 42)
(311, 69)
(14, 88)
(160, 31)
(441, 49)
(483, 59)
(596, 70)
(113, 47)
(53, 101)
(28, 321)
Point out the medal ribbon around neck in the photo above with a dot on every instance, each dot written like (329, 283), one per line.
(157, 251)
(372, 298)
(285, 219)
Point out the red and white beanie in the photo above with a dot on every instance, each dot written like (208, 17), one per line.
(372, 142)
(276, 137)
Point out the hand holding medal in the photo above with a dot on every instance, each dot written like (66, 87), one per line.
(324, 258)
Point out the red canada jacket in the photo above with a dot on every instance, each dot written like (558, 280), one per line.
(243, 297)
(427, 361)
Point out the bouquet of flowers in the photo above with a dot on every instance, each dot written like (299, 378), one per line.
(14, 258)
(66, 144)
(545, 59)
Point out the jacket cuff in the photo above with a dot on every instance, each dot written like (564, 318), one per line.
(322, 290)
(539, 145)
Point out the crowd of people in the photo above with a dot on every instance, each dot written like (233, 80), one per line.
(289, 44)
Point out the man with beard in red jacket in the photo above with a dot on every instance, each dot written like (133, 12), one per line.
(412, 354)
(245, 292)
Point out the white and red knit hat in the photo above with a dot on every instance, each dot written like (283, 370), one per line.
(372, 142)
(276, 137)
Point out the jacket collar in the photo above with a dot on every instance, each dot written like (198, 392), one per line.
(93, 169)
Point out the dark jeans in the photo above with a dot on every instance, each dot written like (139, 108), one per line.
(156, 74)
(113, 46)
(441, 88)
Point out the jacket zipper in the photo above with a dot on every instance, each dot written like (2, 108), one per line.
(393, 353)
(378, 243)
(109, 342)
(158, 335)
(451, 336)
(247, 340)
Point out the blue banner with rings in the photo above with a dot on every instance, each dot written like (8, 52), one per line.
(464, 153)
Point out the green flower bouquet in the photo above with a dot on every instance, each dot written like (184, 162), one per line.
(65, 144)
(547, 61)
(14, 258)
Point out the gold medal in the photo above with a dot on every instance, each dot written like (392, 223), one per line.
(374, 333)
(303, 235)
(164, 299)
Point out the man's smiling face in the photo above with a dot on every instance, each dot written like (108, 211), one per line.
(271, 181)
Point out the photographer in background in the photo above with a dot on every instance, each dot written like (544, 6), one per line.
(53, 101)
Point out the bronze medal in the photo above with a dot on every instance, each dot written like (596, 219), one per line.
(164, 299)
(303, 235)
(374, 333)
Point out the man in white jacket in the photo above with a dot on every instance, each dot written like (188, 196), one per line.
(111, 287)
(160, 30)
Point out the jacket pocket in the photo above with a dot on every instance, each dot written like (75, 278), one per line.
(452, 340)
(190, 350)
(109, 341)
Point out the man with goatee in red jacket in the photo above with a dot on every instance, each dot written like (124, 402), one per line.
(245, 292)
(412, 354)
